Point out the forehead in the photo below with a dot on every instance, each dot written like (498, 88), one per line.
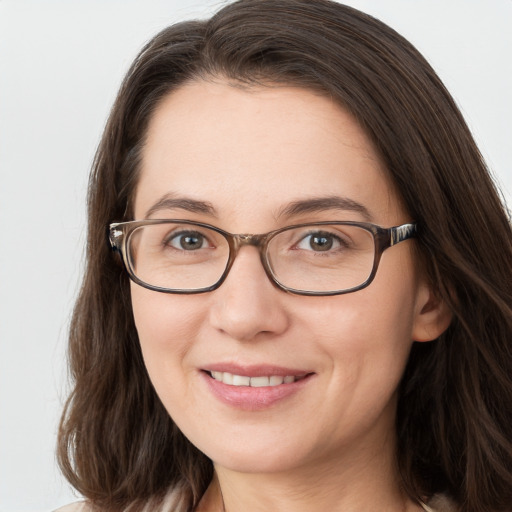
(250, 151)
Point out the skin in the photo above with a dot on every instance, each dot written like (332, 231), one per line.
(249, 152)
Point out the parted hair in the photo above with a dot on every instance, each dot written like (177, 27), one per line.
(117, 444)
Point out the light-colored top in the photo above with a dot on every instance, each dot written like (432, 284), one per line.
(171, 503)
(439, 503)
(436, 504)
(79, 506)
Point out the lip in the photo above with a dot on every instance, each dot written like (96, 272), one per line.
(254, 398)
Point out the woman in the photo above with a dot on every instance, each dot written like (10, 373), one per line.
(309, 302)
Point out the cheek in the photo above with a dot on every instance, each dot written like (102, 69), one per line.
(166, 325)
(375, 318)
(367, 342)
(367, 335)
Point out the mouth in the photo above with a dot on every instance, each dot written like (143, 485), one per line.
(254, 387)
(232, 379)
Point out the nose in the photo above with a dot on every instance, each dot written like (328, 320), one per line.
(247, 306)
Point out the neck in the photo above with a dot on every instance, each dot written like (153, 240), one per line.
(359, 486)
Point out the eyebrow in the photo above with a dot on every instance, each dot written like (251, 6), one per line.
(320, 204)
(295, 208)
(171, 202)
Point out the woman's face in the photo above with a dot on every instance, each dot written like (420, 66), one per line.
(239, 157)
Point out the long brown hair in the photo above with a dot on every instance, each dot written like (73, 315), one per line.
(117, 444)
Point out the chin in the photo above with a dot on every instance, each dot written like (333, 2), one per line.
(255, 463)
(248, 456)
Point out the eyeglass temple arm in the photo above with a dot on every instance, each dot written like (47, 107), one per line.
(115, 237)
(403, 232)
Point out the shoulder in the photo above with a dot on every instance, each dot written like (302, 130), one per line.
(79, 506)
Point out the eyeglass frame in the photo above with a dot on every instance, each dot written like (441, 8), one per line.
(384, 238)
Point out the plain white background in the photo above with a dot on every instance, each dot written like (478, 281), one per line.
(60, 65)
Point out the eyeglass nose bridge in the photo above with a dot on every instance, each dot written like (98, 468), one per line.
(248, 239)
(236, 242)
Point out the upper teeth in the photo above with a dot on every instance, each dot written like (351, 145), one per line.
(255, 382)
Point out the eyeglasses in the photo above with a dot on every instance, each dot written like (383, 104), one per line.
(319, 258)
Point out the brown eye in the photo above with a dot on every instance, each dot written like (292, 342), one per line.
(319, 242)
(187, 241)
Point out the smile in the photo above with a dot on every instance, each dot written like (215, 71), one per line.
(255, 382)
(254, 387)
